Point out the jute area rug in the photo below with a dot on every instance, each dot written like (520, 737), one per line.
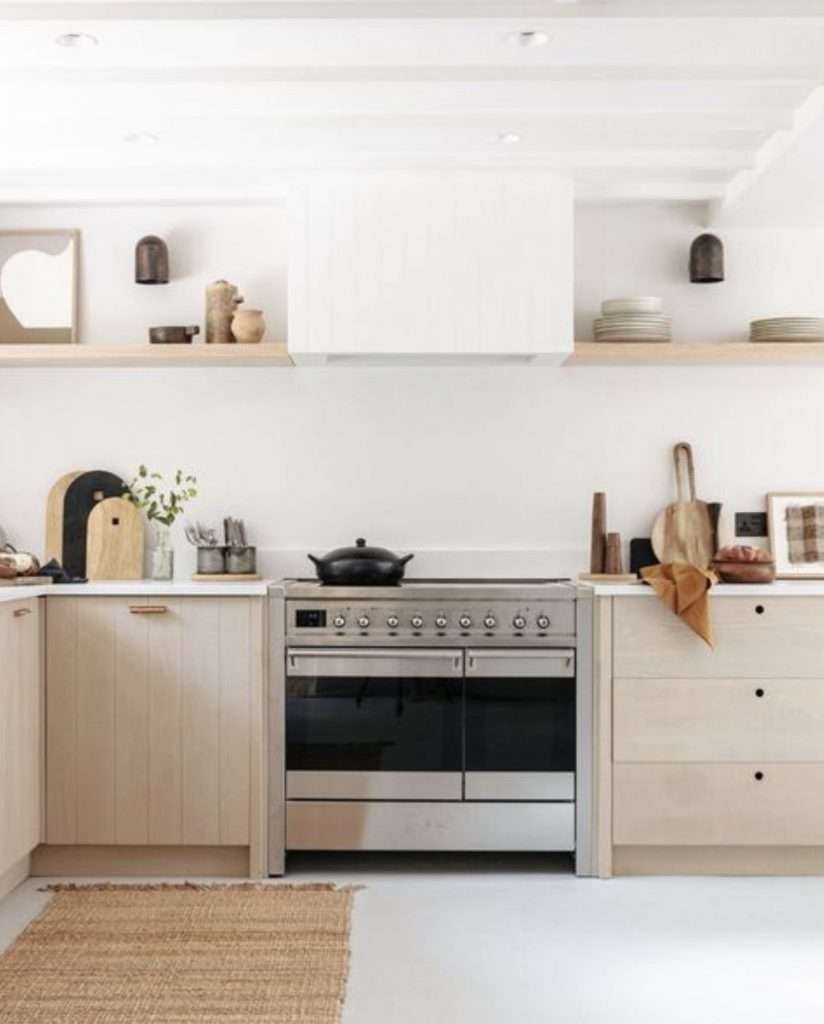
(181, 954)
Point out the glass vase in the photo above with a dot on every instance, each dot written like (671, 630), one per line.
(163, 556)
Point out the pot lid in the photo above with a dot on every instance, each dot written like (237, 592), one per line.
(361, 550)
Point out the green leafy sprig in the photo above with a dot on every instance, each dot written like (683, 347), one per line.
(161, 502)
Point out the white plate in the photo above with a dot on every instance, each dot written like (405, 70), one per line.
(637, 304)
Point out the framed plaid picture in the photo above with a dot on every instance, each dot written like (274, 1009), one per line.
(796, 525)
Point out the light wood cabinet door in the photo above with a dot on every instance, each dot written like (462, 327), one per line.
(755, 638)
(717, 720)
(751, 804)
(20, 730)
(150, 719)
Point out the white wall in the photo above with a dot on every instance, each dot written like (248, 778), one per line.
(452, 458)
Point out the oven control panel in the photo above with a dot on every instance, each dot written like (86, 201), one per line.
(454, 621)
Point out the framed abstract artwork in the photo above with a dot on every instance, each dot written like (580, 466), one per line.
(38, 287)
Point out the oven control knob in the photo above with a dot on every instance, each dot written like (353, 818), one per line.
(416, 621)
(490, 622)
(363, 621)
(543, 622)
(339, 622)
(440, 621)
(392, 621)
(464, 622)
(519, 622)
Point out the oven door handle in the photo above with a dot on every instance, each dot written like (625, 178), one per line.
(429, 664)
(533, 664)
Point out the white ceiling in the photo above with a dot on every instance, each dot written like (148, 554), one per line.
(673, 100)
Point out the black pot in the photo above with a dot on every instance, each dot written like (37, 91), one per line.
(360, 566)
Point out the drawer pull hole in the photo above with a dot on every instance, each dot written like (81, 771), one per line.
(759, 692)
(759, 609)
(759, 776)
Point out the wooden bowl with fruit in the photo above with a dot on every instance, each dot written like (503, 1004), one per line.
(742, 564)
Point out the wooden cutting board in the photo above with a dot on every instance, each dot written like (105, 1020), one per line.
(54, 516)
(82, 495)
(684, 531)
(114, 541)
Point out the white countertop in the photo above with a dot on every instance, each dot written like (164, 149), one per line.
(781, 588)
(138, 588)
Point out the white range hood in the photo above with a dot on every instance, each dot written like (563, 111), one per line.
(431, 267)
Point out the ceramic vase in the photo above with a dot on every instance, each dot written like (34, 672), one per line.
(248, 326)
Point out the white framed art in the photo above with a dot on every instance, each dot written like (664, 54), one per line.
(796, 526)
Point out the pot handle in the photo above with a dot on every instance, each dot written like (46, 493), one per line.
(405, 559)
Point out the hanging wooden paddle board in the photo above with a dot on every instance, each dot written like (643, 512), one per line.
(54, 516)
(684, 531)
(114, 541)
(82, 495)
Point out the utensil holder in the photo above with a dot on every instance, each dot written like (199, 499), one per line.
(211, 561)
(241, 561)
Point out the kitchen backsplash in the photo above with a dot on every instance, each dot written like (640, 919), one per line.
(502, 460)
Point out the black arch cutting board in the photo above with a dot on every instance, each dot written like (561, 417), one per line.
(81, 497)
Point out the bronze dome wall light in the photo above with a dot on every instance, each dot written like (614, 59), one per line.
(707, 260)
(151, 261)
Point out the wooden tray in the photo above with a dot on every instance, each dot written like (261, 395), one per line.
(605, 577)
(27, 581)
(225, 577)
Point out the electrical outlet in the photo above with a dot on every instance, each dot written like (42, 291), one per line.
(751, 524)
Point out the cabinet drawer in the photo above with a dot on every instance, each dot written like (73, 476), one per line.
(756, 638)
(709, 720)
(718, 804)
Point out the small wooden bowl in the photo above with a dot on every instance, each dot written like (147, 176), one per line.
(745, 572)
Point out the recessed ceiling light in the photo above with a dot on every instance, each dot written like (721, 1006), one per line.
(141, 138)
(529, 38)
(77, 41)
(508, 138)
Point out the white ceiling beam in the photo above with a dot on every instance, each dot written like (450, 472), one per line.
(661, 10)
(744, 105)
(648, 76)
(780, 143)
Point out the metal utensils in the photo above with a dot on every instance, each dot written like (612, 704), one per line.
(234, 532)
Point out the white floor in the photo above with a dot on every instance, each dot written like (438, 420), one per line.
(440, 940)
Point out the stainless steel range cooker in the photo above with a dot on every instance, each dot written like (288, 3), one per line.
(434, 715)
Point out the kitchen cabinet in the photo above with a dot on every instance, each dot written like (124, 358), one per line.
(426, 266)
(709, 760)
(20, 733)
(154, 721)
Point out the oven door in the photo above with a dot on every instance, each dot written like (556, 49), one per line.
(520, 725)
(371, 724)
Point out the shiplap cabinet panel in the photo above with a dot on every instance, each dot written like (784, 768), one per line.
(149, 727)
(20, 724)
(431, 264)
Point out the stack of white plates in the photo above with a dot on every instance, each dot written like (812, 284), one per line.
(633, 319)
(788, 328)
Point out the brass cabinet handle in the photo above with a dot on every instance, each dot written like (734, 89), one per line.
(20, 612)
(148, 609)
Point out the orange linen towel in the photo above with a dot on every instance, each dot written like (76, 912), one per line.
(684, 589)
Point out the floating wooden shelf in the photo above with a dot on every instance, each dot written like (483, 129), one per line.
(742, 353)
(196, 355)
